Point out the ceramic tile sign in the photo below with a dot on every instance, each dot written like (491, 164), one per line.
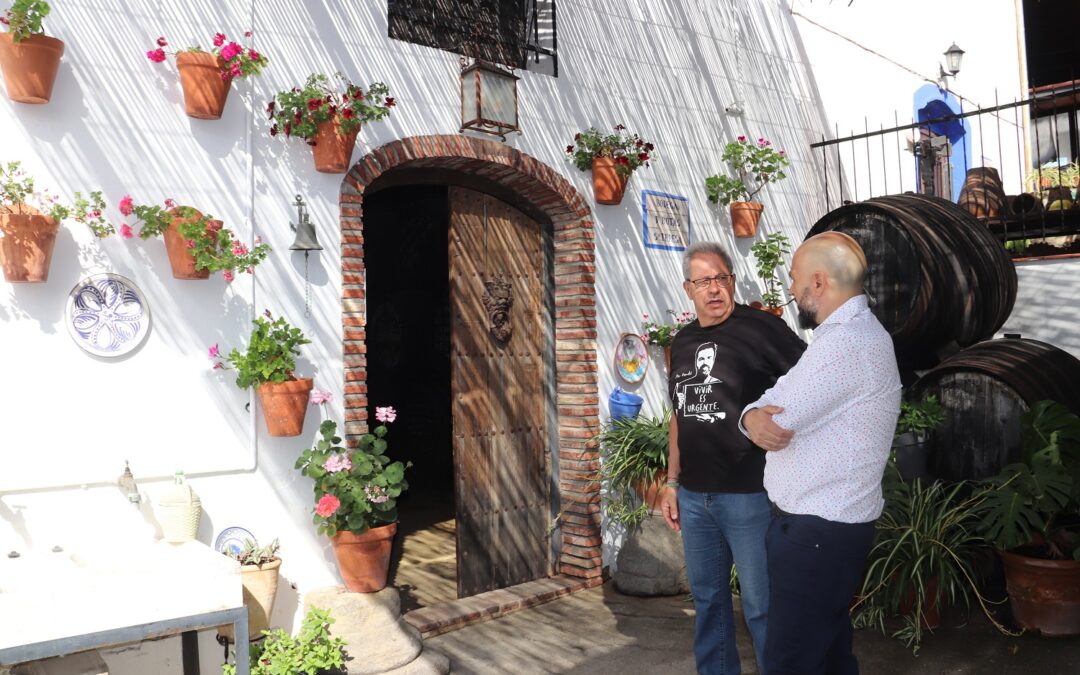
(665, 220)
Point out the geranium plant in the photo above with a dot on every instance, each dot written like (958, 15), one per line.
(769, 254)
(629, 151)
(237, 61)
(354, 489)
(755, 165)
(215, 248)
(24, 18)
(299, 111)
(18, 194)
(663, 334)
(271, 353)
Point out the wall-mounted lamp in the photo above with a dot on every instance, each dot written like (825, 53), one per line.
(953, 56)
(488, 98)
(305, 241)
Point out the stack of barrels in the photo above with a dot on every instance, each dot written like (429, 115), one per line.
(942, 286)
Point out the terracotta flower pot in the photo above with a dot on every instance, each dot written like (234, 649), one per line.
(27, 245)
(775, 311)
(364, 559)
(30, 66)
(181, 258)
(332, 151)
(931, 613)
(652, 492)
(608, 186)
(284, 405)
(744, 217)
(260, 588)
(1044, 594)
(205, 92)
(667, 358)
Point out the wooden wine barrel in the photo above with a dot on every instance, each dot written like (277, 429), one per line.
(937, 279)
(984, 389)
(982, 194)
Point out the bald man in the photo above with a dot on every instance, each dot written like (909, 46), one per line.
(827, 426)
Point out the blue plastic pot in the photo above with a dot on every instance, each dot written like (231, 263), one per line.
(623, 404)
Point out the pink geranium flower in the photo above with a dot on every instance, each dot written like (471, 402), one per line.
(126, 206)
(230, 50)
(219, 39)
(213, 352)
(327, 506)
(161, 41)
(229, 276)
(337, 462)
(385, 414)
(156, 55)
(321, 396)
(125, 231)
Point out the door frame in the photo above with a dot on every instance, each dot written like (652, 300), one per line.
(535, 188)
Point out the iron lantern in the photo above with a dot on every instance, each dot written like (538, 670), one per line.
(953, 56)
(488, 98)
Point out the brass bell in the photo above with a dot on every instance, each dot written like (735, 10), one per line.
(305, 231)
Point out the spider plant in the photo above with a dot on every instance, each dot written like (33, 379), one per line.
(635, 450)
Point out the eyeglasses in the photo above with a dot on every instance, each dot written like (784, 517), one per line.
(705, 282)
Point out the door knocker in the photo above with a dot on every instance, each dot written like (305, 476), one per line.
(498, 299)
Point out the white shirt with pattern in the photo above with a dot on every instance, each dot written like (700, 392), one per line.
(842, 400)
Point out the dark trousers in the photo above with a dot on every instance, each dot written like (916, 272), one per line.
(815, 567)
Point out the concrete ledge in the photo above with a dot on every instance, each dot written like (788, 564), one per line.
(448, 616)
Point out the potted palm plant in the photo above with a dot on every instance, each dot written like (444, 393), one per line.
(923, 557)
(1034, 520)
(328, 115)
(612, 158)
(205, 76)
(356, 494)
(916, 420)
(633, 466)
(755, 166)
(259, 573)
(769, 254)
(29, 59)
(268, 364)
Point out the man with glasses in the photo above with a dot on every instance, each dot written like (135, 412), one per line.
(719, 363)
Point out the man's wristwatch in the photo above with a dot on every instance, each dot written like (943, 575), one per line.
(672, 482)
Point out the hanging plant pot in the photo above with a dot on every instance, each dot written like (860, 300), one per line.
(204, 90)
(608, 185)
(30, 66)
(364, 559)
(260, 584)
(744, 218)
(284, 405)
(775, 311)
(27, 244)
(332, 151)
(181, 257)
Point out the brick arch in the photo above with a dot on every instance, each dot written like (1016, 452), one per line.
(575, 367)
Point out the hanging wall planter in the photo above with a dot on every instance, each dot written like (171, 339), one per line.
(745, 217)
(284, 405)
(612, 158)
(329, 119)
(26, 247)
(181, 256)
(205, 91)
(755, 166)
(30, 66)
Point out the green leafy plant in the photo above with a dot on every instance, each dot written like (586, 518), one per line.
(17, 195)
(769, 254)
(312, 652)
(357, 489)
(271, 353)
(925, 544)
(1053, 175)
(663, 334)
(635, 450)
(299, 111)
(215, 248)
(919, 417)
(1035, 503)
(628, 150)
(24, 18)
(755, 165)
(253, 554)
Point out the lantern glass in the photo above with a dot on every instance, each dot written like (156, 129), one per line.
(953, 56)
(499, 98)
(469, 96)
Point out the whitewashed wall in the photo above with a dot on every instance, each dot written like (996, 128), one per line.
(116, 123)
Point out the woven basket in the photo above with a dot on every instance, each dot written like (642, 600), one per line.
(179, 511)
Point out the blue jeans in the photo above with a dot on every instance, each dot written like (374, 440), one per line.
(717, 527)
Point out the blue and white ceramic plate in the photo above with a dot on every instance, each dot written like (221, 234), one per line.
(107, 315)
(231, 540)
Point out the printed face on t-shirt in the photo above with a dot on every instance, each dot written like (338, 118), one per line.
(706, 356)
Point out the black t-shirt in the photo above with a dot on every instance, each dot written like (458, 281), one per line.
(715, 373)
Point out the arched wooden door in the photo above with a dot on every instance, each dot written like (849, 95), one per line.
(499, 385)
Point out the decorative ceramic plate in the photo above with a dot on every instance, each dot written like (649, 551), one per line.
(231, 540)
(107, 315)
(631, 358)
